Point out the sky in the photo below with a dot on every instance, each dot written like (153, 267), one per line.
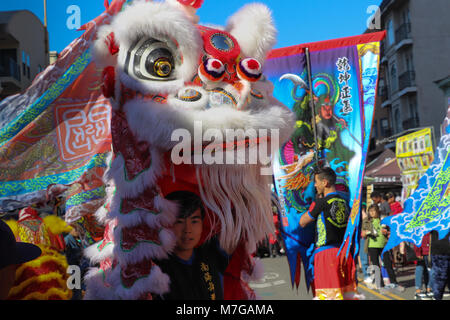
(297, 21)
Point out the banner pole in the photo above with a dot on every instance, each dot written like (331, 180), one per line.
(312, 104)
(45, 14)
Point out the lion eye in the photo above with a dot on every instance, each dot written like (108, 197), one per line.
(162, 67)
(150, 59)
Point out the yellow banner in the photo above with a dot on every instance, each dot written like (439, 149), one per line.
(415, 143)
(414, 154)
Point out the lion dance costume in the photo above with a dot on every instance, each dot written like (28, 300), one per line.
(164, 74)
(44, 278)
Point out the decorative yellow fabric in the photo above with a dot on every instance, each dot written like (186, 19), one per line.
(64, 294)
(33, 268)
(42, 278)
(56, 225)
(12, 224)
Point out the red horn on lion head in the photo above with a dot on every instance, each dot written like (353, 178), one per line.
(192, 3)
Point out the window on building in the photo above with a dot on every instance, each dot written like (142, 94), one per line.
(28, 66)
(409, 63)
(26, 70)
(390, 32)
(381, 87)
(393, 77)
(24, 61)
(413, 112)
(8, 63)
(384, 125)
(397, 119)
(406, 16)
(406, 19)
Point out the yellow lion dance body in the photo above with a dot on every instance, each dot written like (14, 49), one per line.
(44, 278)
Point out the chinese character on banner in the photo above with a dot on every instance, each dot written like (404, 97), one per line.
(343, 67)
(83, 129)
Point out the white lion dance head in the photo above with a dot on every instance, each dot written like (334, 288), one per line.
(169, 78)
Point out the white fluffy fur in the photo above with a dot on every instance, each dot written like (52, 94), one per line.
(151, 86)
(95, 255)
(155, 122)
(266, 88)
(152, 122)
(101, 214)
(254, 29)
(189, 11)
(158, 20)
(166, 216)
(96, 287)
(243, 188)
(100, 51)
(157, 282)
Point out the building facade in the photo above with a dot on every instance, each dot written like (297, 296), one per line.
(414, 54)
(23, 50)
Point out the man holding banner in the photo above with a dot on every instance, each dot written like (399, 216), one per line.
(333, 273)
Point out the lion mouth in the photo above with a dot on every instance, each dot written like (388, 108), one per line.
(219, 97)
(216, 97)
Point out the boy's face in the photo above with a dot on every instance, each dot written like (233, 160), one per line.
(188, 231)
(320, 184)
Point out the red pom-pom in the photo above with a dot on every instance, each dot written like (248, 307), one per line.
(216, 64)
(108, 77)
(249, 69)
(253, 64)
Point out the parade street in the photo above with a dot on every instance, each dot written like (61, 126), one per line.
(276, 284)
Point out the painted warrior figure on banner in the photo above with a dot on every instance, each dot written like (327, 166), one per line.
(326, 94)
(168, 78)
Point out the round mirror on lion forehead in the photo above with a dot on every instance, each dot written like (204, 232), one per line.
(222, 42)
(219, 44)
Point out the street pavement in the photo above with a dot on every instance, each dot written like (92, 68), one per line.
(276, 284)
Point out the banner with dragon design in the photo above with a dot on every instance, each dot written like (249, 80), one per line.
(57, 132)
(344, 75)
(428, 208)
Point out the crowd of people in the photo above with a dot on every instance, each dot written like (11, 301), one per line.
(374, 236)
(334, 278)
(431, 259)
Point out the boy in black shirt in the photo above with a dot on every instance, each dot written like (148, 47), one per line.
(195, 273)
(333, 274)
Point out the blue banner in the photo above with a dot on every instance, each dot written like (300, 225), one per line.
(344, 76)
(428, 208)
